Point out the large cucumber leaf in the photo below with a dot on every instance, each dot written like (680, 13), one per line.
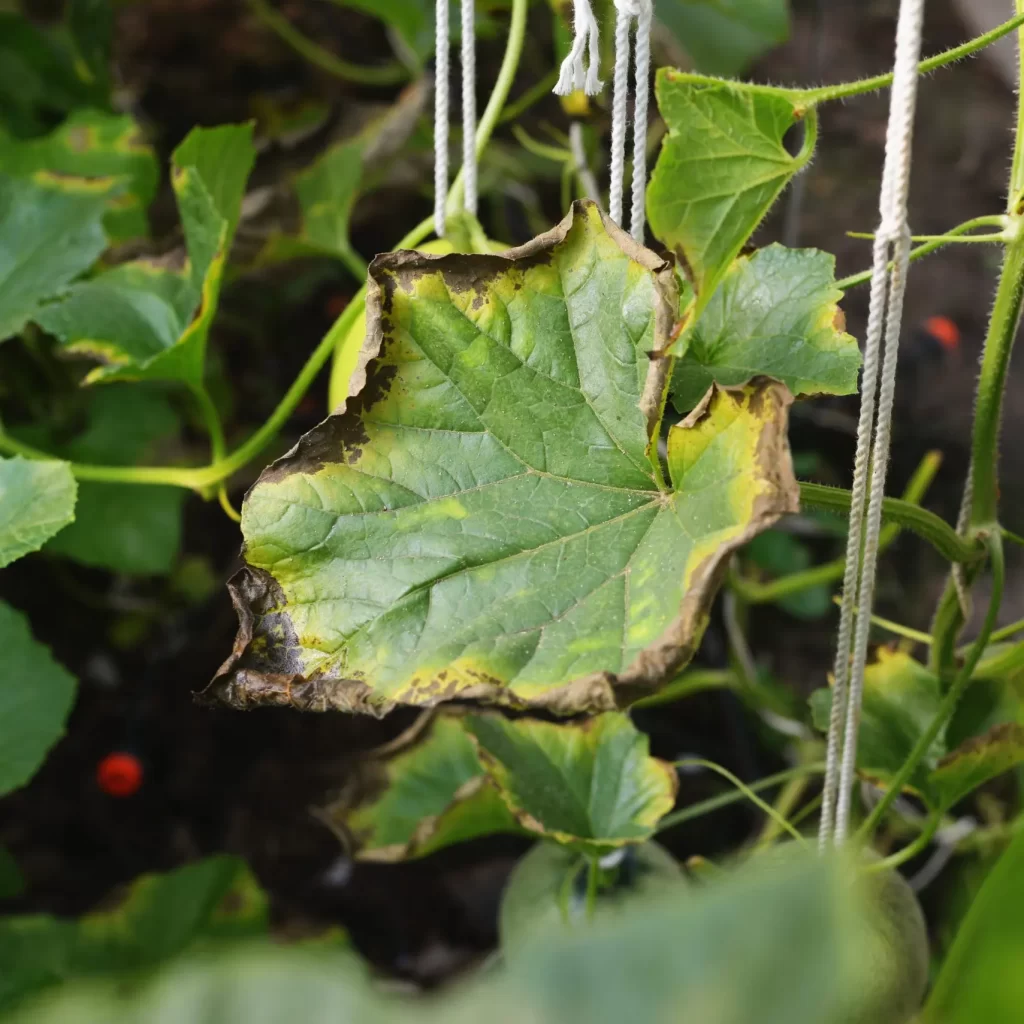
(37, 500)
(486, 519)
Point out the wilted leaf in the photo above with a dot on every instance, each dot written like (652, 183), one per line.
(774, 313)
(144, 321)
(36, 694)
(901, 698)
(93, 144)
(50, 232)
(485, 521)
(723, 37)
(37, 500)
(721, 167)
(427, 797)
(591, 784)
(159, 917)
(121, 527)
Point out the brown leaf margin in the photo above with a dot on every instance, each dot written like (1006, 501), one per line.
(263, 668)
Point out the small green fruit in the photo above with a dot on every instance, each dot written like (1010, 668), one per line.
(899, 954)
(532, 903)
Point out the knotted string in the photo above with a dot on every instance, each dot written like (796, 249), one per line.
(573, 75)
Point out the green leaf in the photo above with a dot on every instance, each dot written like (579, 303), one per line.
(980, 979)
(723, 37)
(775, 314)
(50, 232)
(722, 165)
(36, 694)
(37, 77)
(37, 500)
(327, 192)
(144, 321)
(976, 761)
(485, 520)
(93, 144)
(413, 20)
(592, 784)
(159, 917)
(426, 797)
(552, 877)
(776, 945)
(120, 527)
(901, 698)
(222, 157)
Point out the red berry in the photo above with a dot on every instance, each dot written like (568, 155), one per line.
(120, 774)
(944, 331)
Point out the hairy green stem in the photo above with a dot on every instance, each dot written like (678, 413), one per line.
(755, 592)
(928, 247)
(846, 90)
(385, 74)
(911, 850)
(945, 711)
(925, 524)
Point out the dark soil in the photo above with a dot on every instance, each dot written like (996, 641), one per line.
(247, 783)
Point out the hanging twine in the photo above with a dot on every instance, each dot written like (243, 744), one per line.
(642, 11)
(441, 107)
(573, 75)
(892, 243)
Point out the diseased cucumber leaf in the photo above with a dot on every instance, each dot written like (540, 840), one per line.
(721, 167)
(142, 320)
(93, 144)
(120, 527)
(774, 313)
(901, 698)
(723, 37)
(50, 232)
(485, 520)
(37, 500)
(159, 917)
(36, 694)
(593, 785)
(427, 797)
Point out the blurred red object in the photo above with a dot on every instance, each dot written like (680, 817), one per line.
(120, 774)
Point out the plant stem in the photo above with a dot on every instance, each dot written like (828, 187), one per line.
(923, 250)
(846, 90)
(755, 592)
(744, 790)
(911, 850)
(694, 681)
(384, 74)
(735, 796)
(926, 524)
(952, 698)
(593, 880)
(217, 446)
(499, 94)
(536, 92)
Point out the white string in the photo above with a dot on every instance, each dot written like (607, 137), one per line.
(643, 12)
(469, 106)
(642, 91)
(587, 41)
(441, 70)
(892, 242)
(620, 99)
